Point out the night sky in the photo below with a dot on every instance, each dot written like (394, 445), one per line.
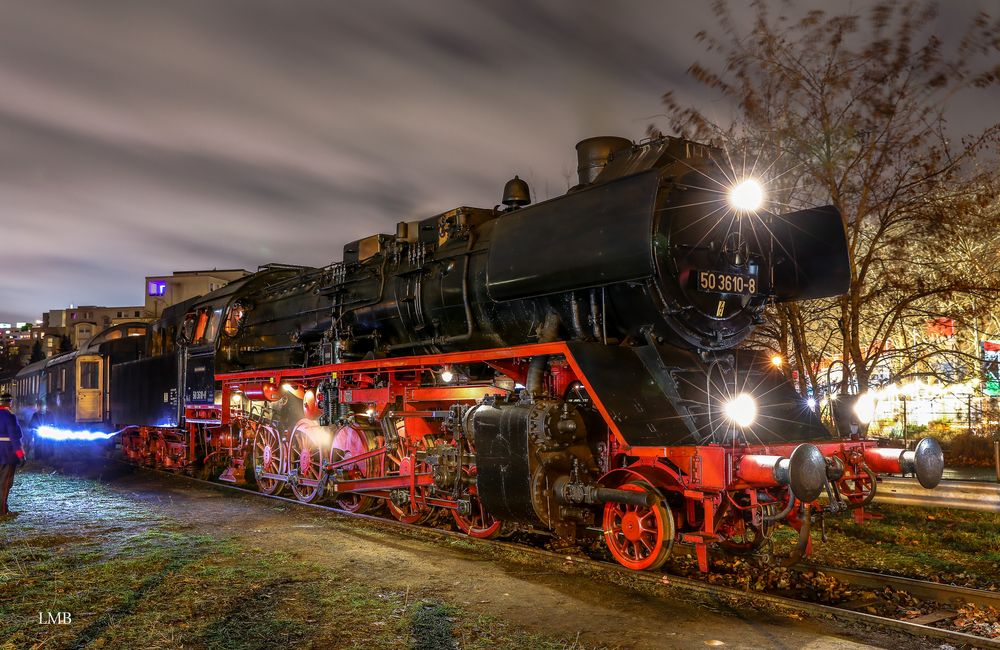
(140, 138)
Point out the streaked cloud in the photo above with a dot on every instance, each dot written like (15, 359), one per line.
(144, 137)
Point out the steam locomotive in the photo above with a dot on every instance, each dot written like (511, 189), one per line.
(569, 367)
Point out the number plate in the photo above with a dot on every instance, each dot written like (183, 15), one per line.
(715, 282)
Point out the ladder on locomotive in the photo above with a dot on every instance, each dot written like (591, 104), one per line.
(261, 413)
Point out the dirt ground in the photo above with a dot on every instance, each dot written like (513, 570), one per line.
(145, 561)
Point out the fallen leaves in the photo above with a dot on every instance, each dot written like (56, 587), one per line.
(981, 621)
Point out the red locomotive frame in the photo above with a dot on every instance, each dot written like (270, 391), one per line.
(700, 494)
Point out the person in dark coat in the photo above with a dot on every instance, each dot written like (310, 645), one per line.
(11, 453)
(38, 419)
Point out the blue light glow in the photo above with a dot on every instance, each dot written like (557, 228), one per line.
(54, 433)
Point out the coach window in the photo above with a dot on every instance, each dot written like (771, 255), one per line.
(89, 374)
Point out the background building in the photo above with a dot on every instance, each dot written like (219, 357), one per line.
(16, 341)
(81, 323)
(165, 290)
(62, 330)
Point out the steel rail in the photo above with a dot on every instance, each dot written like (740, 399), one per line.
(961, 495)
(939, 592)
(626, 577)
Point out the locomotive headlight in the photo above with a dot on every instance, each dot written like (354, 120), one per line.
(864, 408)
(747, 196)
(447, 375)
(741, 410)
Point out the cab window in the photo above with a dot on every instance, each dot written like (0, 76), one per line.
(186, 333)
(212, 330)
(234, 319)
(199, 330)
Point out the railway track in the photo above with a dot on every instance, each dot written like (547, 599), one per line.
(961, 495)
(944, 594)
(948, 597)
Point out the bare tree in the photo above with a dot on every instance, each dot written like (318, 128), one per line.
(851, 110)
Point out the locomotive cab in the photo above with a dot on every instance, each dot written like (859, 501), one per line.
(198, 337)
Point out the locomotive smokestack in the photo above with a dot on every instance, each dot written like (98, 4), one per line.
(593, 154)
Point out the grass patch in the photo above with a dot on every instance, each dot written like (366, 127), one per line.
(432, 627)
(132, 577)
(950, 545)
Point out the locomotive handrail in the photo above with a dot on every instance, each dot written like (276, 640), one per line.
(418, 414)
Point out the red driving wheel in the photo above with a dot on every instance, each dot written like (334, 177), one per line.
(639, 537)
(305, 458)
(478, 523)
(267, 457)
(410, 512)
(348, 442)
